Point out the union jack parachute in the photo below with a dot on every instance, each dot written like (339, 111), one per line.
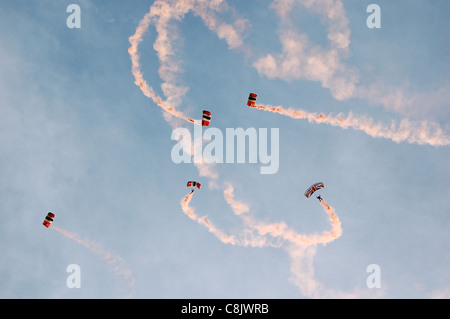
(313, 188)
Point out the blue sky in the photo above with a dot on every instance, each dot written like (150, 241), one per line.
(80, 139)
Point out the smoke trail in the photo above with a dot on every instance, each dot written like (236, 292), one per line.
(190, 212)
(246, 238)
(146, 89)
(119, 266)
(281, 230)
(300, 247)
(422, 132)
(163, 14)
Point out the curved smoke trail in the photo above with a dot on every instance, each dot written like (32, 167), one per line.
(300, 247)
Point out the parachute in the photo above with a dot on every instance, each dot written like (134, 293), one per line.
(193, 184)
(48, 219)
(313, 188)
(206, 118)
(252, 99)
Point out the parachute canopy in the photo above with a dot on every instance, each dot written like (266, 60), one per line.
(252, 99)
(206, 118)
(48, 219)
(194, 184)
(313, 188)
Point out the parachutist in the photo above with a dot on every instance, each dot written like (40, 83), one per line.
(206, 118)
(48, 219)
(194, 184)
(313, 188)
(319, 198)
(252, 99)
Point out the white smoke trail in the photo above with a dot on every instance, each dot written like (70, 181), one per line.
(163, 15)
(162, 45)
(255, 233)
(300, 247)
(118, 265)
(190, 212)
(419, 132)
(281, 230)
(301, 59)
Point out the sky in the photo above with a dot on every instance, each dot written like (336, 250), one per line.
(87, 117)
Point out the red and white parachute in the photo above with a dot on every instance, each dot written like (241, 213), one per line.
(194, 184)
(48, 219)
(252, 99)
(206, 118)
